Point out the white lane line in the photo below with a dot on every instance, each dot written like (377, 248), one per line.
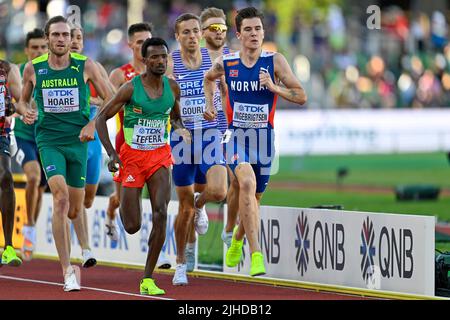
(88, 288)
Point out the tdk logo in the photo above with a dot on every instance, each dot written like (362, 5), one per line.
(61, 93)
(252, 109)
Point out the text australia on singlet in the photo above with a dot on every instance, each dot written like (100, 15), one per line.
(247, 115)
(192, 102)
(60, 96)
(148, 134)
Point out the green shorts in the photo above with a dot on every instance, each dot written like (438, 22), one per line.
(69, 161)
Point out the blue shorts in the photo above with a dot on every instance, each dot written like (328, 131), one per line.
(94, 161)
(257, 150)
(28, 151)
(193, 161)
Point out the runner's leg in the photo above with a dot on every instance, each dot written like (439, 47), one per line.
(7, 198)
(159, 191)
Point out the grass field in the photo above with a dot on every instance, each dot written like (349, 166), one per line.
(382, 171)
(373, 170)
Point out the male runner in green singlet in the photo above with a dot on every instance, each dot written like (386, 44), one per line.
(61, 93)
(145, 158)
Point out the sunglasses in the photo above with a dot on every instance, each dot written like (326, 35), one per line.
(216, 27)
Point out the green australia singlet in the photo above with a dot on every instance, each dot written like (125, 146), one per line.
(62, 99)
(146, 120)
(22, 130)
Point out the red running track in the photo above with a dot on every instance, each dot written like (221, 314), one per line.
(42, 280)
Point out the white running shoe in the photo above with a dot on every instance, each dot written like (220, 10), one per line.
(189, 253)
(111, 230)
(226, 237)
(200, 218)
(180, 278)
(88, 259)
(72, 279)
(163, 261)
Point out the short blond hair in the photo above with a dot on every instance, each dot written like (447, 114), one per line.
(212, 12)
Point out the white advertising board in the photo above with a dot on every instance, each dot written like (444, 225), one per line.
(356, 249)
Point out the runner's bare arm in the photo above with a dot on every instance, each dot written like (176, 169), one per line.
(117, 78)
(23, 106)
(121, 97)
(293, 90)
(97, 100)
(224, 94)
(209, 85)
(105, 77)
(93, 74)
(14, 82)
(175, 116)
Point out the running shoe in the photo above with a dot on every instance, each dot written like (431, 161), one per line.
(111, 230)
(257, 268)
(180, 278)
(200, 218)
(226, 237)
(163, 261)
(148, 287)
(234, 252)
(189, 253)
(29, 239)
(10, 258)
(72, 279)
(88, 259)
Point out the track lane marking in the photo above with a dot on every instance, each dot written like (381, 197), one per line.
(87, 288)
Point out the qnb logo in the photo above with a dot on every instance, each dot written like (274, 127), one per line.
(367, 249)
(302, 243)
(394, 251)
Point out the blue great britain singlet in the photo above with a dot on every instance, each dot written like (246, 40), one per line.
(249, 105)
(192, 95)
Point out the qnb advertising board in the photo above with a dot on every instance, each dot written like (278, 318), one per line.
(361, 131)
(388, 252)
(129, 249)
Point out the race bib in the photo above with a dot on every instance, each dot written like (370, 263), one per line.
(61, 100)
(148, 137)
(192, 109)
(246, 115)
